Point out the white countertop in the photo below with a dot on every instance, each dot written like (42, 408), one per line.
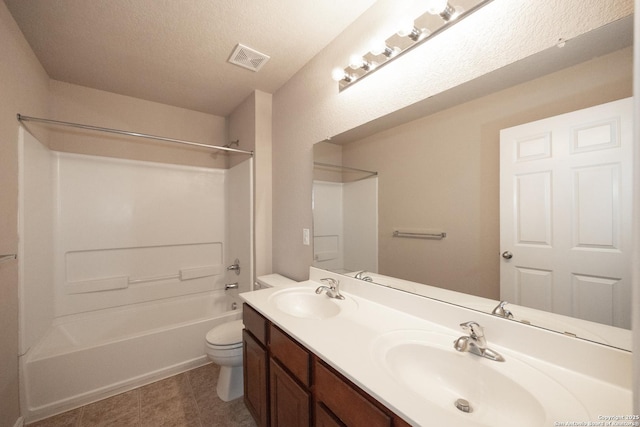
(347, 342)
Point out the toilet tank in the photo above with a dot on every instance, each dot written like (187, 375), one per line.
(271, 281)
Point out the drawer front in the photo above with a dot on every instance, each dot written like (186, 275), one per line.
(255, 323)
(290, 354)
(346, 402)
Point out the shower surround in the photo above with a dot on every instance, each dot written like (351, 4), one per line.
(122, 270)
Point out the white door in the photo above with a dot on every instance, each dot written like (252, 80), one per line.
(565, 213)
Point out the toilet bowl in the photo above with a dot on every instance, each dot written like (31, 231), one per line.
(224, 348)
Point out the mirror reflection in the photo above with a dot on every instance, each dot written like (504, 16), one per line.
(432, 172)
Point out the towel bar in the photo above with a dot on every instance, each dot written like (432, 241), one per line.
(419, 235)
(8, 257)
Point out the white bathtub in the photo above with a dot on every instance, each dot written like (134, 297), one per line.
(91, 356)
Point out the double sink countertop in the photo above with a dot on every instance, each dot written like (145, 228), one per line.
(398, 347)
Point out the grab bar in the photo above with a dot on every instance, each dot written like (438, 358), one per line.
(153, 279)
(419, 235)
(123, 282)
(8, 257)
(183, 274)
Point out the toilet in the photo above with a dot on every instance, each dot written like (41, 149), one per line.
(224, 346)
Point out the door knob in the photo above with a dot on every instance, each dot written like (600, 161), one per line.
(507, 255)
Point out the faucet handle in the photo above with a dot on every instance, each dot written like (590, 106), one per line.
(473, 329)
(333, 283)
(333, 291)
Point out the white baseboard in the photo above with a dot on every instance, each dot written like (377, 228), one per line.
(19, 422)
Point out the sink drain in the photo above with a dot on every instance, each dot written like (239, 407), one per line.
(463, 405)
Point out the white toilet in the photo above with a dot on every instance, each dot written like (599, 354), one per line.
(224, 347)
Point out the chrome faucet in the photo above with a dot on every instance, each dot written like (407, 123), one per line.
(501, 311)
(333, 290)
(475, 342)
(359, 275)
(231, 286)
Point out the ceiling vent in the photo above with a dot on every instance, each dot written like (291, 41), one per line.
(248, 58)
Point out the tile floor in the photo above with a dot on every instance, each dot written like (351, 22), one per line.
(185, 400)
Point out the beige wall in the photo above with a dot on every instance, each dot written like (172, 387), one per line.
(79, 104)
(330, 154)
(241, 127)
(442, 172)
(23, 89)
(309, 108)
(263, 184)
(250, 123)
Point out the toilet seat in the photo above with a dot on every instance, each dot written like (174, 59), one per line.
(226, 336)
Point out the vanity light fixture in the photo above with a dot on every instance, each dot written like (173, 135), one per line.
(439, 15)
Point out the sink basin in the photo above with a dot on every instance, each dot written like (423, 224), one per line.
(499, 393)
(305, 303)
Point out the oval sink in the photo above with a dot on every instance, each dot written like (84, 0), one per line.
(305, 303)
(499, 393)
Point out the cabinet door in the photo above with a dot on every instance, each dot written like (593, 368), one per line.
(290, 403)
(324, 417)
(255, 365)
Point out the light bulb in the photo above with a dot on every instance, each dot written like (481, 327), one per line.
(338, 74)
(406, 28)
(355, 62)
(377, 46)
(436, 7)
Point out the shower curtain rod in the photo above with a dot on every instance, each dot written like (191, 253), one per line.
(22, 118)
(344, 167)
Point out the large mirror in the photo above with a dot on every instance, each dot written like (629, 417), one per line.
(412, 200)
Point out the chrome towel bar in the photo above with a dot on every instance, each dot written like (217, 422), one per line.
(8, 257)
(419, 235)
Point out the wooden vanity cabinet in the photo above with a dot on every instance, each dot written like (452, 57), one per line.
(255, 364)
(288, 386)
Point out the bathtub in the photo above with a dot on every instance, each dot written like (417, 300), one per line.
(87, 357)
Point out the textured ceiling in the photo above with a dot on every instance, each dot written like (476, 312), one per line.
(176, 51)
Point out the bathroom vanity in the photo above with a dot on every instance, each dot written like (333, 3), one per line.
(286, 384)
(383, 357)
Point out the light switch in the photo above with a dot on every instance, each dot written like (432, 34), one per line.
(305, 236)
